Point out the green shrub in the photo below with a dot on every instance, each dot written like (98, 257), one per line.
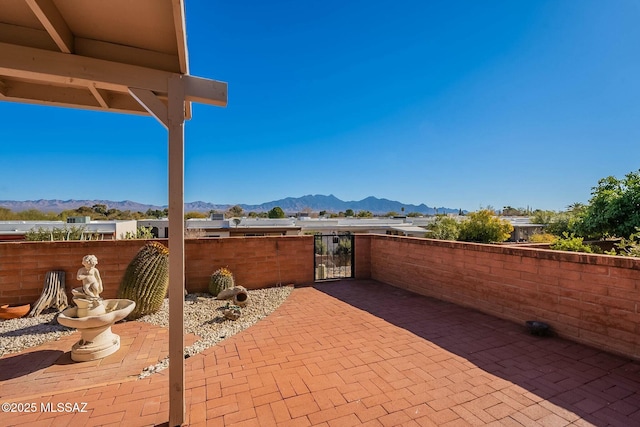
(628, 247)
(444, 228)
(484, 227)
(572, 243)
(542, 238)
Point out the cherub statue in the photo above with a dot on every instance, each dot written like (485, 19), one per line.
(90, 276)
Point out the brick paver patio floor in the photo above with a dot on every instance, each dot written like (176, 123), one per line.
(346, 353)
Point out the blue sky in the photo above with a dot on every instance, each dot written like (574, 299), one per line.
(463, 104)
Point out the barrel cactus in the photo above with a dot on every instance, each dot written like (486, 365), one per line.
(220, 280)
(146, 279)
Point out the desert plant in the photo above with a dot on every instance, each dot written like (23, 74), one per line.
(64, 233)
(141, 233)
(221, 279)
(146, 279)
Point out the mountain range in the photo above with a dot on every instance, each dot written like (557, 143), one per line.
(315, 203)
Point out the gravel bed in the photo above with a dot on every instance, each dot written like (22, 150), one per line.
(202, 317)
(19, 334)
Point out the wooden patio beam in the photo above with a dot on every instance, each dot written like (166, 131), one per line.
(152, 104)
(51, 19)
(99, 96)
(62, 69)
(58, 68)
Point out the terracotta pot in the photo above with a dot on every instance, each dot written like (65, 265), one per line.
(7, 312)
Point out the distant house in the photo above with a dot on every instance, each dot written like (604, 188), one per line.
(232, 227)
(100, 230)
(394, 226)
(522, 228)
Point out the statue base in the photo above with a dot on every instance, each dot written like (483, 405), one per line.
(96, 343)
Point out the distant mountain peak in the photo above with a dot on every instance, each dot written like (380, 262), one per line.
(316, 203)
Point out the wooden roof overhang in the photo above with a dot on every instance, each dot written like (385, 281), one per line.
(89, 53)
(121, 56)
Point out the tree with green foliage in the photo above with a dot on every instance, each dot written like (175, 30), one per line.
(614, 208)
(365, 214)
(391, 214)
(100, 209)
(543, 217)
(35, 215)
(6, 214)
(194, 214)
(320, 246)
(484, 227)
(557, 223)
(444, 228)
(628, 247)
(511, 211)
(235, 211)
(157, 213)
(349, 212)
(343, 251)
(276, 212)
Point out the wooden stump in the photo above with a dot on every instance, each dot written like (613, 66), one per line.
(53, 295)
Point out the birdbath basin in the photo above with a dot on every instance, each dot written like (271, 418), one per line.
(97, 340)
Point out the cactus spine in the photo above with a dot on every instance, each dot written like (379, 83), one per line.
(146, 279)
(220, 280)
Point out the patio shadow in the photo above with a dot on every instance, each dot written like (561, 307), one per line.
(595, 385)
(18, 365)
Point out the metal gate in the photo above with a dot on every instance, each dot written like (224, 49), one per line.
(334, 256)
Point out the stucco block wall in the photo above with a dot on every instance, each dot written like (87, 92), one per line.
(362, 247)
(593, 299)
(256, 262)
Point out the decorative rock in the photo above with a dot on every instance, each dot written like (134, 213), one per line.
(232, 313)
(239, 295)
(538, 328)
(241, 298)
(202, 317)
(226, 294)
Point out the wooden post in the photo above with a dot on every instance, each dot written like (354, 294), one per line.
(181, 88)
(176, 250)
